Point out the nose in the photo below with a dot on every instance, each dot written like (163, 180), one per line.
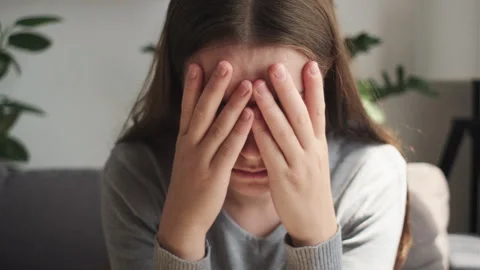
(250, 150)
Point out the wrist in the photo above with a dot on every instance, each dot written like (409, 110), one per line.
(316, 234)
(310, 241)
(187, 244)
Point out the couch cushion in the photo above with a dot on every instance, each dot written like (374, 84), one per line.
(464, 252)
(429, 217)
(51, 220)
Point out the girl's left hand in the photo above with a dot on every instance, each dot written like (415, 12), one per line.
(294, 149)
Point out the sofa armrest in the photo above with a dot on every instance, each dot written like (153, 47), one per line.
(464, 252)
(429, 217)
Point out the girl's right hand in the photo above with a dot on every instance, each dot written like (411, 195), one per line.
(206, 151)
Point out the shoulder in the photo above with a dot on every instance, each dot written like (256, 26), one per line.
(351, 159)
(356, 154)
(134, 167)
(134, 159)
(367, 177)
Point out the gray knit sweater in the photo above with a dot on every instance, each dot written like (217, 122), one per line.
(368, 186)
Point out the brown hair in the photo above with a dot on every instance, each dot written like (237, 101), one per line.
(309, 25)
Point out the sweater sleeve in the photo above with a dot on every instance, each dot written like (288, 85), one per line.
(325, 256)
(372, 210)
(131, 212)
(166, 260)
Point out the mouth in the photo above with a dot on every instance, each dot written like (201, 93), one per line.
(256, 174)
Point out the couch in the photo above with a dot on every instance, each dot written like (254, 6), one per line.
(50, 219)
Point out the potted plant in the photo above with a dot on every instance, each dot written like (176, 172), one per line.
(373, 91)
(21, 35)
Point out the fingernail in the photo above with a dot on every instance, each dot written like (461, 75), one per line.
(246, 115)
(221, 69)
(280, 72)
(314, 70)
(246, 86)
(261, 89)
(192, 72)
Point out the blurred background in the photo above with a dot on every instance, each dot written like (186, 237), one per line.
(86, 81)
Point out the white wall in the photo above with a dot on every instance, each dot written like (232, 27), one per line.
(89, 79)
(388, 19)
(421, 123)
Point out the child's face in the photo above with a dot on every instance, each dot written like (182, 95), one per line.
(250, 63)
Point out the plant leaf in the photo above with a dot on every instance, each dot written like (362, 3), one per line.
(4, 55)
(8, 118)
(372, 109)
(421, 85)
(11, 149)
(364, 89)
(37, 21)
(368, 89)
(386, 79)
(401, 83)
(377, 91)
(21, 107)
(5, 62)
(15, 65)
(149, 48)
(29, 41)
(361, 43)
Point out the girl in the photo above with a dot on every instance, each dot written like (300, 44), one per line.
(250, 149)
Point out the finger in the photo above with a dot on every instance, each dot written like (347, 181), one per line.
(223, 125)
(209, 101)
(315, 98)
(292, 103)
(228, 152)
(191, 93)
(271, 154)
(276, 121)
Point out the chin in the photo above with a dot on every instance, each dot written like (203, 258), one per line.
(249, 187)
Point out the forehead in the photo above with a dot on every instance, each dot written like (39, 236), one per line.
(250, 62)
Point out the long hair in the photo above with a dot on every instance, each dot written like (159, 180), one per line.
(308, 25)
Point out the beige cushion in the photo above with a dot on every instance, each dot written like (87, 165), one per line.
(429, 217)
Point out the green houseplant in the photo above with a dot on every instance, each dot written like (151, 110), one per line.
(21, 35)
(373, 91)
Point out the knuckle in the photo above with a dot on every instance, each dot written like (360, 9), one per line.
(302, 119)
(237, 131)
(186, 141)
(291, 175)
(200, 113)
(216, 131)
(284, 133)
(225, 150)
(203, 178)
(294, 178)
(290, 92)
(270, 107)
